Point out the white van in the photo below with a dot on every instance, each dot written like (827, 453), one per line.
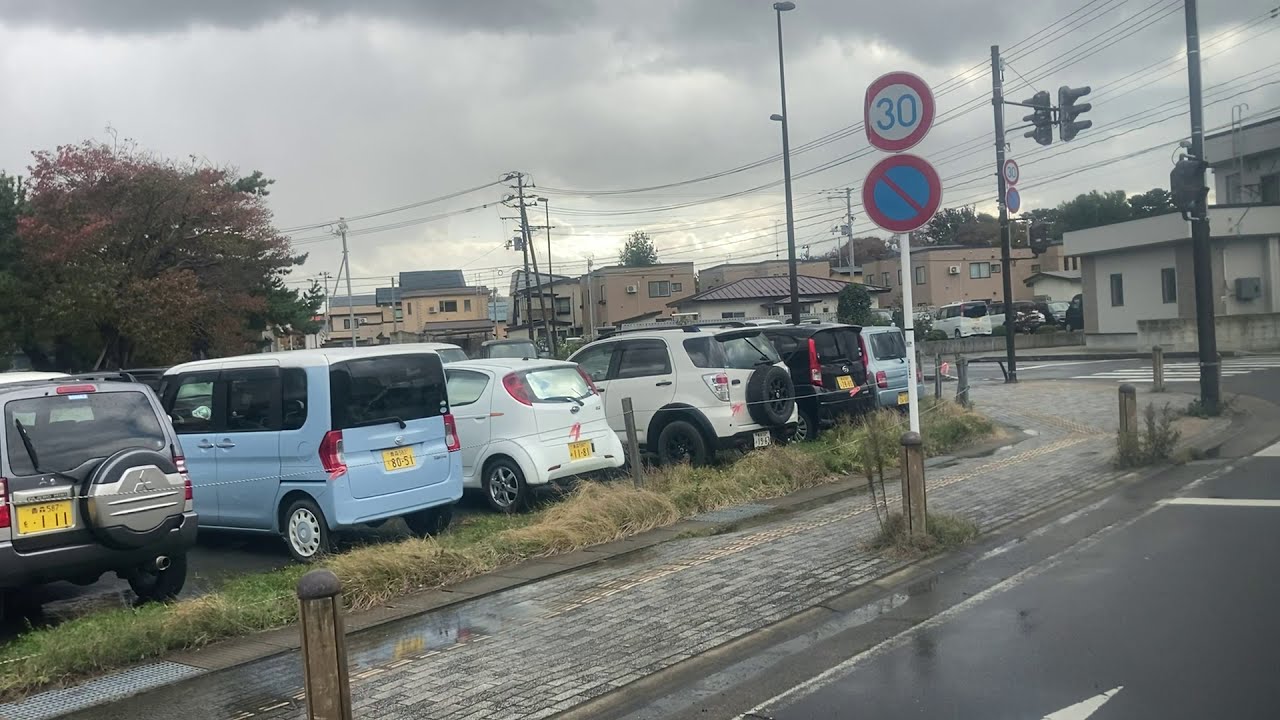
(963, 319)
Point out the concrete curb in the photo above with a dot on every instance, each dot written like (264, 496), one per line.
(1090, 357)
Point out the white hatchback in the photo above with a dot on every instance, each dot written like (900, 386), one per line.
(525, 423)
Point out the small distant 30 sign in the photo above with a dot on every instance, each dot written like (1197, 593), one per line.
(898, 111)
(1011, 172)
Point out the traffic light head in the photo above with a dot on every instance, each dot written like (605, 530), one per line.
(1069, 110)
(1186, 185)
(1041, 117)
(1038, 237)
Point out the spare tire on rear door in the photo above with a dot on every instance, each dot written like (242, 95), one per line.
(771, 398)
(132, 497)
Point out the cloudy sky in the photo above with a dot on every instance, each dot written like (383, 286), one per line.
(356, 108)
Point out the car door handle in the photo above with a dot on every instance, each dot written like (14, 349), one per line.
(736, 382)
(225, 444)
(664, 383)
(205, 445)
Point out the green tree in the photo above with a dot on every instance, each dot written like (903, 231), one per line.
(962, 226)
(638, 251)
(853, 305)
(1094, 209)
(1156, 201)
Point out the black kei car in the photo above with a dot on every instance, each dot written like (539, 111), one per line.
(827, 370)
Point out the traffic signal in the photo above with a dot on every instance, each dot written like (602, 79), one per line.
(1068, 111)
(1186, 184)
(1038, 237)
(1042, 118)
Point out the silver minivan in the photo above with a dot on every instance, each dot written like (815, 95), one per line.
(884, 350)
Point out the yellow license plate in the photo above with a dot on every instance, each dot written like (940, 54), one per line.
(904, 398)
(44, 517)
(580, 450)
(398, 458)
(844, 382)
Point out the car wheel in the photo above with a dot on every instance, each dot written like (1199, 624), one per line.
(770, 395)
(305, 531)
(151, 584)
(681, 442)
(807, 427)
(430, 522)
(504, 486)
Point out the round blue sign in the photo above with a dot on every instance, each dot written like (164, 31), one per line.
(901, 193)
(1013, 200)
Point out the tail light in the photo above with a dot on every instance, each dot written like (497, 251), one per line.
(451, 433)
(587, 379)
(882, 380)
(180, 463)
(517, 388)
(331, 457)
(4, 503)
(76, 389)
(815, 367)
(719, 385)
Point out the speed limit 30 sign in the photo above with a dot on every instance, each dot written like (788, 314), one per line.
(898, 111)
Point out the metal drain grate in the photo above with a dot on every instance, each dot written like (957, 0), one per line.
(54, 703)
(733, 514)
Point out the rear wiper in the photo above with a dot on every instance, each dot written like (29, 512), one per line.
(565, 398)
(380, 421)
(35, 459)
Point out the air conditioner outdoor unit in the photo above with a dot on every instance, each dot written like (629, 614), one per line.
(953, 270)
(632, 290)
(431, 311)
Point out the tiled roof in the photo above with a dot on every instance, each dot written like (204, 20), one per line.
(387, 296)
(356, 301)
(519, 280)
(766, 288)
(431, 280)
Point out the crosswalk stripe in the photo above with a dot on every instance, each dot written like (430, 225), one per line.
(1185, 371)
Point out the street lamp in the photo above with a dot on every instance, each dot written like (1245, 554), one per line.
(546, 206)
(781, 7)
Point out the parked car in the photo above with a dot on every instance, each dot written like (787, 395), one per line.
(1057, 313)
(825, 360)
(695, 391)
(92, 480)
(525, 424)
(1075, 313)
(306, 442)
(884, 350)
(511, 348)
(151, 377)
(964, 319)
(448, 352)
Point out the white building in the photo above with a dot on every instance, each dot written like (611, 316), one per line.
(762, 297)
(1054, 284)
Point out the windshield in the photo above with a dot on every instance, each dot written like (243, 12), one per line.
(67, 431)
(513, 350)
(888, 346)
(451, 355)
(557, 383)
(978, 310)
(743, 352)
(406, 387)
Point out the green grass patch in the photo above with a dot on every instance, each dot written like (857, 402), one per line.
(942, 532)
(373, 574)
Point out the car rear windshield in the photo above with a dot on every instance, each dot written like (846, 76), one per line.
(976, 310)
(451, 355)
(557, 384)
(888, 346)
(368, 391)
(513, 350)
(743, 352)
(66, 431)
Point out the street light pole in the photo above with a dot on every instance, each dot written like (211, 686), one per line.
(546, 206)
(779, 8)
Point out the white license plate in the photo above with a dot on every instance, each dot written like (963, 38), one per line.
(762, 439)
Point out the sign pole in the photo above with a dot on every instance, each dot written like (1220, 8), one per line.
(997, 101)
(909, 331)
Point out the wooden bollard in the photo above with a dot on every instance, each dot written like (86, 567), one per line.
(962, 381)
(633, 443)
(914, 504)
(324, 646)
(1128, 419)
(1157, 369)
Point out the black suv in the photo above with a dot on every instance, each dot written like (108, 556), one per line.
(92, 480)
(827, 369)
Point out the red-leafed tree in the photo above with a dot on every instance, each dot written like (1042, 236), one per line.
(143, 260)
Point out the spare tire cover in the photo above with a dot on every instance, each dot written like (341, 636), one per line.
(770, 395)
(132, 497)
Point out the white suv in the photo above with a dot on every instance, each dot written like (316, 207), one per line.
(695, 390)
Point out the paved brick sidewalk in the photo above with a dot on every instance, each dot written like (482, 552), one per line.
(542, 648)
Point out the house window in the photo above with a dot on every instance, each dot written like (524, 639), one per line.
(1233, 188)
(659, 288)
(1270, 188)
(899, 276)
(346, 323)
(1035, 269)
(1117, 290)
(979, 270)
(408, 307)
(995, 267)
(466, 305)
(677, 287)
(1075, 263)
(448, 306)
(885, 278)
(562, 306)
(1168, 285)
(775, 310)
(399, 314)
(732, 315)
(919, 274)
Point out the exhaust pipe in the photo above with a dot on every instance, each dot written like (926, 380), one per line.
(162, 563)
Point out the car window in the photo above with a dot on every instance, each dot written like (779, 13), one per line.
(827, 346)
(849, 345)
(977, 310)
(513, 350)
(700, 352)
(465, 386)
(785, 344)
(192, 410)
(743, 352)
(888, 346)
(451, 355)
(294, 395)
(249, 400)
(595, 361)
(69, 430)
(644, 358)
(407, 387)
(556, 384)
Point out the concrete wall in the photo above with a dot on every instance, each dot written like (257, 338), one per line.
(1257, 332)
(985, 345)
(1055, 288)
(1140, 273)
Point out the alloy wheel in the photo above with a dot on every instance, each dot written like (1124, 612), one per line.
(504, 487)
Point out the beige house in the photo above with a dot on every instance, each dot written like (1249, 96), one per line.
(726, 273)
(945, 274)
(618, 294)
(373, 322)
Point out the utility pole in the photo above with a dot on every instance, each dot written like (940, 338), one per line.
(328, 307)
(591, 302)
(997, 102)
(551, 281)
(395, 307)
(784, 118)
(346, 263)
(524, 248)
(1201, 254)
(542, 297)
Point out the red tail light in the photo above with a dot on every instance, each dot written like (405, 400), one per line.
(76, 389)
(451, 433)
(815, 367)
(180, 463)
(517, 388)
(719, 385)
(4, 503)
(331, 454)
(587, 379)
(882, 380)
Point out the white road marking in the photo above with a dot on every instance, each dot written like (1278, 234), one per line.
(1066, 363)
(1185, 371)
(1273, 451)
(1221, 502)
(1083, 710)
